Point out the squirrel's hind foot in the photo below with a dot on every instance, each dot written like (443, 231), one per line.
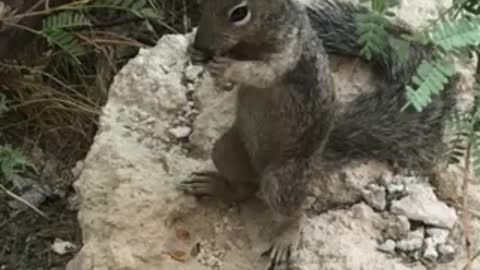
(213, 184)
(204, 183)
(286, 240)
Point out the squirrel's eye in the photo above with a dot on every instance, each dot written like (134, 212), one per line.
(239, 15)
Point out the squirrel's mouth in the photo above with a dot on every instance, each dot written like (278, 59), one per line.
(205, 56)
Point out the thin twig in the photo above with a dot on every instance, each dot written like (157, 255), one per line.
(25, 202)
(10, 219)
(70, 6)
(474, 258)
(465, 212)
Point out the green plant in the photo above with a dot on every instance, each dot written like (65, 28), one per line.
(60, 23)
(12, 162)
(372, 30)
(454, 34)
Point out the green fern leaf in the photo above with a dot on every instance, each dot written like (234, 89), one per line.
(64, 20)
(67, 42)
(476, 115)
(456, 35)
(372, 34)
(430, 79)
(401, 49)
(459, 128)
(3, 104)
(12, 162)
(476, 156)
(139, 8)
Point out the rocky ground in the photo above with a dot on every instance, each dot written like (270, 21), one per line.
(28, 239)
(158, 127)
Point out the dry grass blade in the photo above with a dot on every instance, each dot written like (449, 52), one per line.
(20, 199)
(472, 260)
(465, 212)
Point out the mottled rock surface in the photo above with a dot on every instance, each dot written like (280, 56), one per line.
(419, 205)
(158, 127)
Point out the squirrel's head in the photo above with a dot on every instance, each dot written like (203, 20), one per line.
(237, 26)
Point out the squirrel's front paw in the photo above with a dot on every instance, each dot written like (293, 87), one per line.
(204, 183)
(221, 68)
(282, 247)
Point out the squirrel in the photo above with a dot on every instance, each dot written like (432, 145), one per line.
(287, 124)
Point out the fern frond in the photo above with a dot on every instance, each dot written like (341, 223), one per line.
(12, 162)
(476, 156)
(372, 34)
(430, 79)
(459, 128)
(456, 35)
(3, 104)
(64, 20)
(401, 49)
(67, 42)
(139, 8)
(472, 6)
(476, 110)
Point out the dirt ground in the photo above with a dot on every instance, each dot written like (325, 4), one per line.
(26, 237)
(39, 116)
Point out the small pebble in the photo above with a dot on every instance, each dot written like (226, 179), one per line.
(375, 196)
(414, 241)
(447, 252)
(430, 252)
(180, 132)
(439, 236)
(409, 244)
(388, 246)
(63, 247)
(397, 227)
(192, 72)
(395, 188)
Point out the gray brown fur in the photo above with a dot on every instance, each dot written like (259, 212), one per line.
(285, 110)
(373, 126)
(286, 122)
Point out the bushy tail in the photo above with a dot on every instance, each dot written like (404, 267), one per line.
(335, 23)
(373, 125)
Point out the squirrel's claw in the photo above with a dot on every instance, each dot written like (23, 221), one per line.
(204, 183)
(286, 240)
(279, 256)
(219, 67)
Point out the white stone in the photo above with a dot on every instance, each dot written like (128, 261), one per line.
(388, 246)
(439, 236)
(395, 188)
(397, 227)
(180, 132)
(63, 247)
(375, 196)
(192, 72)
(422, 205)
(447, 252)
(430, 252)
(414, 241)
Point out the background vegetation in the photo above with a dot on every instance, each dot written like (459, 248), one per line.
(57, 60)
(454, 34)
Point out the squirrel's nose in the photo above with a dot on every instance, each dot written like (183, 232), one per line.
(200, 53)
(199, 56)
